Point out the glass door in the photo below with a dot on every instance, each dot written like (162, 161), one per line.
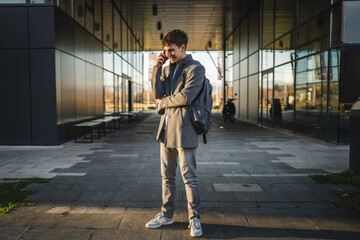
(267, 97)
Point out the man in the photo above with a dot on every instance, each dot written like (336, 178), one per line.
(175, 87)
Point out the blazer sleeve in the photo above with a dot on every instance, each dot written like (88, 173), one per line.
(158, 83)
(194, 81)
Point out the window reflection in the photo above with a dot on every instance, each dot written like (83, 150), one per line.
(268, 57)
(311, 95)
(313, 36)
(284, 49)
(109, 92)
(284, 92)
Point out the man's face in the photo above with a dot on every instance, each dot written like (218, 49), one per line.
(175, 53)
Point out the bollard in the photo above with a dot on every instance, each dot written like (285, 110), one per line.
(354, 163)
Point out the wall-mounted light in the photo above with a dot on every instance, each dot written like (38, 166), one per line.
(115, 45)
(154, 9)
(209, 44)
(158, 25)
(281, 44)
(161, 36)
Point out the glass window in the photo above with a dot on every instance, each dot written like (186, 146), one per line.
(13, 1)
(116, 93)
(311, 95)
(309, 8)
(108, 58)
(268, 57)
(117, 64)
(333, 104)
(284, 49)
(109, 92)
(313, 36)
(351, 22)
(284, 94)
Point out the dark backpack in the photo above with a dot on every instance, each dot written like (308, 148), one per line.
(200, 110)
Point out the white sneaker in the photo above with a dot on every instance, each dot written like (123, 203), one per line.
(158, 221)
(195, 227)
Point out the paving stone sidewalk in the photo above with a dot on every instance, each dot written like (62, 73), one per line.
(254, 185)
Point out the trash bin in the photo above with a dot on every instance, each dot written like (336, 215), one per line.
(354, 163)
(276, 110)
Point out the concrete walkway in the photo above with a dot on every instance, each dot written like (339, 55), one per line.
(254, 185)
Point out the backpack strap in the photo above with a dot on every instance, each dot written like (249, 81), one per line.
(204, 138)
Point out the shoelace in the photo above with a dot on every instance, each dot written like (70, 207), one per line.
(157, 218)
(195, 224)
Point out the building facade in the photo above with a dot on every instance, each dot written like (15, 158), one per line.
(65, 62)
(293, 64)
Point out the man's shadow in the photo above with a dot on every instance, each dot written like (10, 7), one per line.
(179, 230)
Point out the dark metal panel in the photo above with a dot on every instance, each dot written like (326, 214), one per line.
(90, 48)
(243, 98)
(350, 83)
(43, 96)
(98, 53)
(90, 90)
(64, 32)
(13, 27)
(80, 89)
(99, 91)
(80, 47)
(41, 27)
(68, 99)
(15, 127)
(58, 85)
(253, 98)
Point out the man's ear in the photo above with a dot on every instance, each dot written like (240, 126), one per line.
(183, 47)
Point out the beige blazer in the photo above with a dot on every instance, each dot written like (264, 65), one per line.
(179, 133)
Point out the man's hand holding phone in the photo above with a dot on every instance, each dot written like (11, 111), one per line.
(161, 59)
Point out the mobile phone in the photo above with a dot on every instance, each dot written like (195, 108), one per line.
(165, 58)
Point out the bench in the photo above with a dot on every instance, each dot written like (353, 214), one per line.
(135, 114)
(107, 124)
(128, 115)
(116, 121)
(87, 128)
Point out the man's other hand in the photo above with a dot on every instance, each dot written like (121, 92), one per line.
(157, 101)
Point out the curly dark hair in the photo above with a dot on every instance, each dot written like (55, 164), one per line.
(177, 37)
